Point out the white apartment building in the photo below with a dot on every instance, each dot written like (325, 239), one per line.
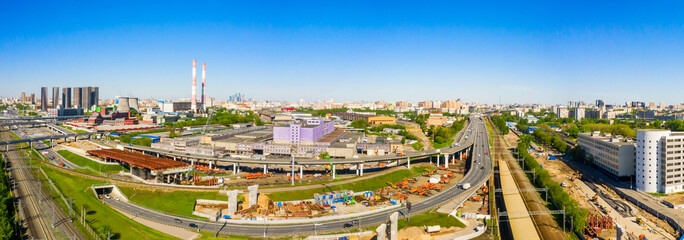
(562, 112)
(659, 161)
(613, 154)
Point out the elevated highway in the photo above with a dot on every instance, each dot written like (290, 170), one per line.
(480, 168)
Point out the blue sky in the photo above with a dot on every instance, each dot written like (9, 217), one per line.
(525, 52)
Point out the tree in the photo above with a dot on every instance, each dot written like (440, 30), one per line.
(361, 123)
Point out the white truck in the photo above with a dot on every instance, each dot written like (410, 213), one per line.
(465, 186)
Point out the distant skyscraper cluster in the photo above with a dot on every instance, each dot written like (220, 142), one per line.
(83, 97)
(238, 97)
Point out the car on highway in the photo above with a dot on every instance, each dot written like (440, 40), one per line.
(107, 196)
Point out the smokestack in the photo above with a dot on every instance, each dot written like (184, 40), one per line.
(194, 85)
(204, 83)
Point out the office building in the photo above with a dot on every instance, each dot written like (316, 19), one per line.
(55, 97)
(66, 97)
(78, 93)
(659, 158)
(612, 154)
(43, 99)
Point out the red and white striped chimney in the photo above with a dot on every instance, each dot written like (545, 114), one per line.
(194, 85)
(204, 88)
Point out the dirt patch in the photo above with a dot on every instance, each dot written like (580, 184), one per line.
(414, 233)
(675, 199)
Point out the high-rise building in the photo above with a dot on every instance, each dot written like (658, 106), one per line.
(55, 97)
(66, 97)
(78, 95)
(94, 96)
(659, 156)
(402, 104)
(43, 99)
(23, 96)
(600, 103)
(33, 98)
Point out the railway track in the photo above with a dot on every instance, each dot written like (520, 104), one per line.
(30, 193)
(545, 225)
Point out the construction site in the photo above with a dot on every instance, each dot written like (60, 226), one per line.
(606, 208)
(338, 202)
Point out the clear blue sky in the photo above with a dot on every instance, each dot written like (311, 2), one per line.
(533, 52)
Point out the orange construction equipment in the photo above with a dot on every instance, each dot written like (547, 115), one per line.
(439, 188)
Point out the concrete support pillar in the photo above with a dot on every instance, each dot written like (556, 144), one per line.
(393, 226)
(437, 163)
(253, 194)
(265, 168)
(192, 162)
(381, 232)
(232, 202)
(51, 143)
(238, 168)
(460, 156)
(333, 171)
(361, 169)
(234, 168)
(7, 148)
(157, 154)
(174, 158)
(408, 162)
(446, 160)
(211, 165)
(30, 144)
(301, 171)
(358, 166)
(430, 159)
(143, 151)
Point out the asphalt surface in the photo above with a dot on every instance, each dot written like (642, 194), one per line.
(479, 172)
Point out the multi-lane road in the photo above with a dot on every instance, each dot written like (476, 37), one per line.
(480, 169)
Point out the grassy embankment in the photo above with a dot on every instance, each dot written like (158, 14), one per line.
(90, 165)
(175, 202)
(370, 184)
(100, 216)
(431, 219)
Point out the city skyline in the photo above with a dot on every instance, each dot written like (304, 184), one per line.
(545, 54)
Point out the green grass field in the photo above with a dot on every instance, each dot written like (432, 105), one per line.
(442, 145)
(174, 202)
(101, 216)
(371, 184)
(90, 165)
(431, 219)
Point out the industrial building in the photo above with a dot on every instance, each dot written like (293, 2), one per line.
(160, 170)
(659, 159)
(370, 117)
(175, 106)
(124, 104)
(302, 132)
(613, 154)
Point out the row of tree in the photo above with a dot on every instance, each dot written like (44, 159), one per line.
(6, 206)
(556, 192)
(547, 137)
(500, 123)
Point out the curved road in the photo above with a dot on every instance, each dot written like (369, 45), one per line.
(480, 171)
